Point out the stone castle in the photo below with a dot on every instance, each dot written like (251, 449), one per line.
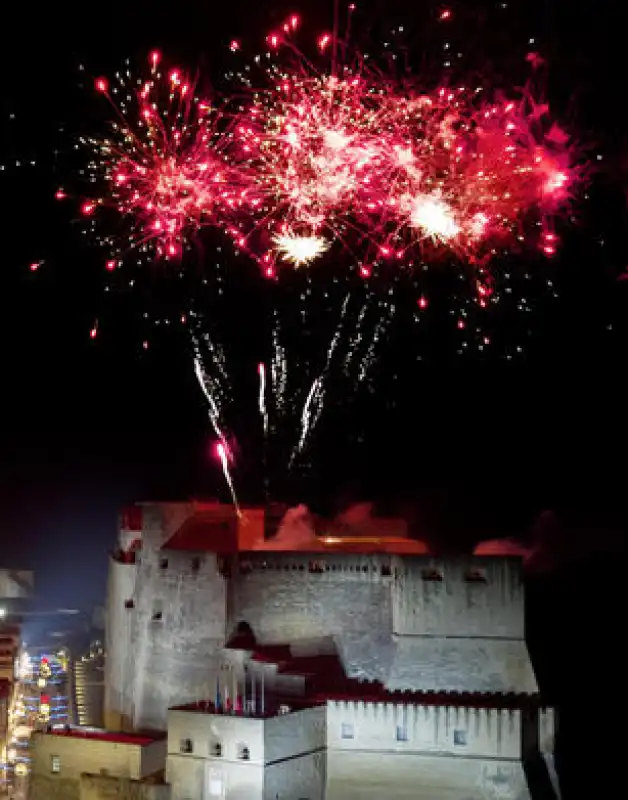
(360, 618)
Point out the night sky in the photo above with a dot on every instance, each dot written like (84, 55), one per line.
(88, 426)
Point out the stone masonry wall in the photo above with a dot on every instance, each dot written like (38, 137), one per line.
(105, 787)
(179, 630)
(467, 597)
(53, 787)
(286, 597)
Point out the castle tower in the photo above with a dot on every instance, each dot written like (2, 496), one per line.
(166, 610)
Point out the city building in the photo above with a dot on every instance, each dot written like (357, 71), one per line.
(89, 687)
(71, 763)
(418, 664)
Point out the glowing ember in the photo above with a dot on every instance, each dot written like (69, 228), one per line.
(433, 217)
(163, 167)
(300, 250)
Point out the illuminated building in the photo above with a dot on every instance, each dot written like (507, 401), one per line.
(419, 662)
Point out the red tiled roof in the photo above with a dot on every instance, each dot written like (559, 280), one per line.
(205, 532)
(104, 736)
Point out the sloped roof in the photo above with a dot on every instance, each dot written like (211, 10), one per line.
(440, 664)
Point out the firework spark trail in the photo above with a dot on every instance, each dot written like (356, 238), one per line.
(213, 394)
(279, 369)
(223, 455)
(369, 357)
(314, 402)
(261, 400)
(314, 398)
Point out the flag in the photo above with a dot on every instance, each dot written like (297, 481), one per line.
(227, 700)
(218, 699)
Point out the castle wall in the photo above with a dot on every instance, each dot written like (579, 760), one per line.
(165, 625)
(119, 664)
(443, 730)
(286, 755)
(178, 632)
(459, 597)
(300, 777)
(363, 776)
(291, 596)
(433, 752)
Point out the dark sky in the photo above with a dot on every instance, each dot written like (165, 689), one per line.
(86, 427)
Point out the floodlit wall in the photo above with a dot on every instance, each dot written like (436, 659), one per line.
(120, 653)
(459, 597)
(290, 596)
(78, 755)
(165, 626)
(410, 622)
(285, 755)
(426, 751)
(105, 787)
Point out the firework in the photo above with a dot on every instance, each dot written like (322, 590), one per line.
(387, 169)
(326, 159)
(162, 167)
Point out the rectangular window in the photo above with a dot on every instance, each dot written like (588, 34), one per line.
(129, 604)
(158, 611)
(163, 563)
(196, 564)
(460, 738)
(187, 746)
(402, 733)
(346, 730)
(55, 764)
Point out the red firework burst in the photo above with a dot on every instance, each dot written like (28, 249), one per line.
(163, 166)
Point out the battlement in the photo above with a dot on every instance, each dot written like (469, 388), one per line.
(454, 730)
(366, 566)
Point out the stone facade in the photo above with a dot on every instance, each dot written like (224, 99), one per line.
(411, 622)
(244, 758)
(104, 787)
(59, 760)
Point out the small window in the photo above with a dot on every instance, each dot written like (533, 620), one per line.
(317, 566)
(386, 570)
(196, 564)
(187, 746)
(460, 738)
(475, 576)
(158, 613)
(55, 764)
(129, 604)
(431, 574)
(346, 730)
(163, 563)
(402, 733)
(244, 753)
(216, 750)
